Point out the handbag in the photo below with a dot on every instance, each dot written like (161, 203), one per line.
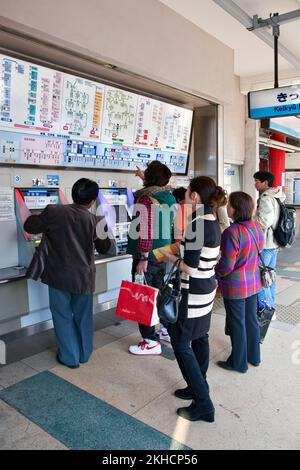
(137, 302)
(38, 262)
(169, 296)
(267, 274)
(264, 319)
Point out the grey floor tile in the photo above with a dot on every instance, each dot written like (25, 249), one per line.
(101, 339)
(13, 373)
(42, 361)
(18, 432)
(289, 295)
(119, 330)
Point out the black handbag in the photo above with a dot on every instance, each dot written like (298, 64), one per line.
(264, 319)
(169, 296)
(38, 262)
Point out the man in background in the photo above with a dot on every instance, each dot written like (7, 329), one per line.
(267, 214)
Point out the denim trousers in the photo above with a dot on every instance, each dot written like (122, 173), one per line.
(154, 278)
(193, 360)
(243, 327)
(266, 297)
(73, 325)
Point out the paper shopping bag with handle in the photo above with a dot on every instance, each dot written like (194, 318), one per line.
(137, 302)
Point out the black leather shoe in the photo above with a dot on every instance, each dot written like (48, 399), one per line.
(194, 413)
(184, 394)
(63, 364)
(225, 365)
(255, 364)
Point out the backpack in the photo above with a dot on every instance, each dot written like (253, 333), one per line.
(285, 230)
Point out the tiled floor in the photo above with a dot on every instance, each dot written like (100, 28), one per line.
(257, 410)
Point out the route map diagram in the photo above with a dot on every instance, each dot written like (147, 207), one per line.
(149, 123)
(176, 129)
(49, 117)
(30, 97)
(119, 116)
(41, 151)
(81, 107)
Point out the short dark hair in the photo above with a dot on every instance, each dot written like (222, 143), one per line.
(156, 174)
(84, 191)
(242, 204)
(264, 176)
(210, 194)
(179, 193)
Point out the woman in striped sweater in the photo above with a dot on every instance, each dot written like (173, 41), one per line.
(239, 279)
(189, 335)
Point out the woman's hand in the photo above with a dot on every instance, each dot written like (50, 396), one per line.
(140, 173)
(142, 267)
(168, 256)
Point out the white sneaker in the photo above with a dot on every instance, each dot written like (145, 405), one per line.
(164, 335)
(147, 347)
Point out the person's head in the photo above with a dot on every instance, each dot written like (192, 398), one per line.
(263, 180)
(85, 192)
(156, 174)
(240, 206)
(179, 194)
(203, 190)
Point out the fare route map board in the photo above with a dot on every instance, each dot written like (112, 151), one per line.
(48, 117)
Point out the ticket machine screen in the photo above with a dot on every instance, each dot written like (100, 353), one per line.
(115, 204)
(38, 199)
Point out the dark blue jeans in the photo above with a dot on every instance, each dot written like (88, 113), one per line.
(193, 359)
(242, 323)
(73, 325)
(154, 277)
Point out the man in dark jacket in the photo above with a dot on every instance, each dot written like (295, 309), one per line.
(70, 232)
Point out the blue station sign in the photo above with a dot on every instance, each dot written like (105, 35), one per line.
(275, 102)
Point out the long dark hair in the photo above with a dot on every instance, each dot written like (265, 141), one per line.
(211, 195)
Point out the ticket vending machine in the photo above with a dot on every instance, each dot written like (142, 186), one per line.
(32, 201)
(115, 204)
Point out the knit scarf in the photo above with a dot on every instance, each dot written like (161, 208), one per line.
(150, 190)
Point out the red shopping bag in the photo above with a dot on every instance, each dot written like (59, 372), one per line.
(137, 302)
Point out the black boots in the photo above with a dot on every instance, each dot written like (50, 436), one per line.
(184, 393)
(227, 366)
(194, 412)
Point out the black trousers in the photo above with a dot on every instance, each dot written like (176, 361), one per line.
(242, 323)
(155, 278)
(193, 360)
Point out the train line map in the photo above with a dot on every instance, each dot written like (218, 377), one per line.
(119, 116)
(49, 117)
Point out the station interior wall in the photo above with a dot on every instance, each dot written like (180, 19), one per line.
(129, 36)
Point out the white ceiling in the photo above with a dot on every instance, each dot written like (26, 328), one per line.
(253, 57)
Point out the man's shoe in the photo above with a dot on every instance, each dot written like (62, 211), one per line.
(255, 364)
(147, 347)
(225, 365)
(194, 413)
(184, 394)
(63, 364)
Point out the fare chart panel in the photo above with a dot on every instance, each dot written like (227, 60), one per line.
(48, 117)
